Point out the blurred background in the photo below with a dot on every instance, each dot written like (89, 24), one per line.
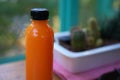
(64, 14)
(14, 18)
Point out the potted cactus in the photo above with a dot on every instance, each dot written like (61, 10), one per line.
(83, 39)
(85, 49)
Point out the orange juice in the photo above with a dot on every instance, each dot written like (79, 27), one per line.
(39, 46)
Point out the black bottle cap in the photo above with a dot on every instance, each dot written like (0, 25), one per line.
(39, 14)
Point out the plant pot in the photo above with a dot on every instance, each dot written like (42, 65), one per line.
(85, 60)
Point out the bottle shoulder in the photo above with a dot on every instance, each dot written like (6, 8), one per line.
(39, 30)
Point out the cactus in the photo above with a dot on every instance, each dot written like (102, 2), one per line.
(78, 39)
(94, 37)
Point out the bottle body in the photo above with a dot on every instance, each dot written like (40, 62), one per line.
(39, 51)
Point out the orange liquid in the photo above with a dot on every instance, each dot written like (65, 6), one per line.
(39, 51)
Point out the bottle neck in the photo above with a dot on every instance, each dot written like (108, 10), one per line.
(40, 21)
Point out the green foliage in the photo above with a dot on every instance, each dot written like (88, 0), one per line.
(78, 39)
(111, 28)
(9, 9)
(87, 9)
(6, 41)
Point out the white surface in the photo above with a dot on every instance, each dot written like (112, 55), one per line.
(85, 60)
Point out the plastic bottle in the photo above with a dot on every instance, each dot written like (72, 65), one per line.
(39, 46)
